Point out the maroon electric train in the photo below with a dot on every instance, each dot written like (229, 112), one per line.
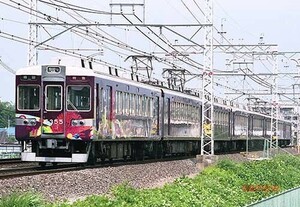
(80, 114)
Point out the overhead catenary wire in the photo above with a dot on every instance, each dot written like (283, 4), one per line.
(171, 46)
(162, 60)
(191, 61)
(110, 41)
(78, 8)
(94, 36)
(257, 79)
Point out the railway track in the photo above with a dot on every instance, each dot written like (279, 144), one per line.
(15, 163)
(6, 173)
(29, 169)
(10, 161)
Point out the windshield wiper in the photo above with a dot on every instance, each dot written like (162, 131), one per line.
(72, 105)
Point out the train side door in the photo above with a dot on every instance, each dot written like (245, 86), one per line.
(98, 106)
(53, 104)
(167, 118)
(106, 111)
(250, 126)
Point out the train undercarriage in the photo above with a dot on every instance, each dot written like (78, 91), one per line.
(75, 151)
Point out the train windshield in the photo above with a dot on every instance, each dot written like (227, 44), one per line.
(28, 97)
(53, 98)
(79, 98)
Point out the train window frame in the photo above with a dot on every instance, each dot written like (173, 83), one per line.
(133, 105)
(121, 112)
(176, 111)
(130, 95)
(148, 106)
(119, 103)
(144, 106)
(46, 99)
(90, 97)
(183, 112)
(137, 105)
(39, 99)
(151, 107)
(127, 103)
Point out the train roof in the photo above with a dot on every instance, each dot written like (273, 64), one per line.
(37, 70)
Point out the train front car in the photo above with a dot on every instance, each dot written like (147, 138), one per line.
(54, 113)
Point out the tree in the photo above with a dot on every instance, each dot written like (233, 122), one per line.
(7, 112)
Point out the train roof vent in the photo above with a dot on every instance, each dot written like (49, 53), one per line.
(188, 91)
(90, 65)
(82, 63)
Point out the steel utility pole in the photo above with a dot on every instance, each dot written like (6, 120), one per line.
(275, 106)
(207, 129)
(33, 34)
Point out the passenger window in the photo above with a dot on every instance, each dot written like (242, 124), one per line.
(79, 98)
(28, 97)
(53, 98)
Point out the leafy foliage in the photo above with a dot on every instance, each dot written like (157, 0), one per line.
(22, 200)
(7, 111)
(220, 185)
(224, 185)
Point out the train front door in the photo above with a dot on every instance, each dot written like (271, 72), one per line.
(54, 108)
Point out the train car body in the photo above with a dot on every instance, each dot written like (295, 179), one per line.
(74, 114)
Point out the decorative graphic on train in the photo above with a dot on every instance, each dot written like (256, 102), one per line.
(28, 126)
(207, 128)
(117, 128)
(104, 125)
(76, 127)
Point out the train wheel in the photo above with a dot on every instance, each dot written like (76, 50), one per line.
(42, 164)
(102, 160)
(92, 159)
(125, 158)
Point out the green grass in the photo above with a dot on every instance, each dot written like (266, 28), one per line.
(22, 200)
(225, 184)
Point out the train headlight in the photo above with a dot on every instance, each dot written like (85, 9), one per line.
(74, 122)
(78, 122)
(53, 70)
(32, 122)
(29, 122)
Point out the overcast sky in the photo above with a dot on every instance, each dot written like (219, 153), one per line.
(244, 22)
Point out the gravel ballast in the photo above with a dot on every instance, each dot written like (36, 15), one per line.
(77, 184)
(81, 183)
